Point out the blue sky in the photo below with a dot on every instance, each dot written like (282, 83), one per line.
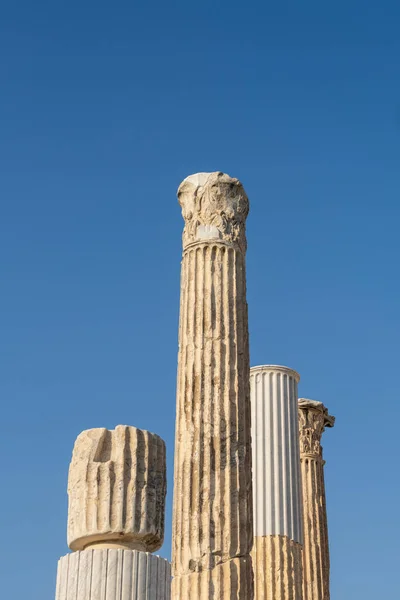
(104, 109)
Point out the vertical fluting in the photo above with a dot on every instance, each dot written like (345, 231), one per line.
(278, 532)
(212, 516)
(313, 418)
(117, 489)
(277, 563)
(113, 575)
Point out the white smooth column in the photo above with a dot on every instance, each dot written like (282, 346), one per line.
(113, 575)
(278, 532)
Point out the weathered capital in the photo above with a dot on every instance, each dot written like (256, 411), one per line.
(117, 489)
(313, 419)
(215, 207)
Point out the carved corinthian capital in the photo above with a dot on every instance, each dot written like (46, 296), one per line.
(214, 207)
(313, 418)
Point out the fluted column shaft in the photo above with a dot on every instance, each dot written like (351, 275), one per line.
(278, 536)
(117, 489)
(313, 418)
(113, 575)
(212, 524)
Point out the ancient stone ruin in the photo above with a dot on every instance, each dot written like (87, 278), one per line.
(249, 510)
(116, 489)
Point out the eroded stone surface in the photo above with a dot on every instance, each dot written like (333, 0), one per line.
(277, 562)
(227, 581)
(117, 489)
(212, 517)
(214, 206)
(313, 418)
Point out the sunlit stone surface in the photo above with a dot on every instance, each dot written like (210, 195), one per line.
(117, 488)
(313, 419)
(212, 515)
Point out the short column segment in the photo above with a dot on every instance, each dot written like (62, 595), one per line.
(117, 489)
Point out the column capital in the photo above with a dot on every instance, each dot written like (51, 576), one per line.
(214, 207)
(260, 369)
(313, 419)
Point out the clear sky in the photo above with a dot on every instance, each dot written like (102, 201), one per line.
(104, 108)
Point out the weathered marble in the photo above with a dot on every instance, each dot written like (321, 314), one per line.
(231, 579)
(212, 515)
(277, 563)
(117, 489)
(113, 575)
(313, 419)
(278, 532)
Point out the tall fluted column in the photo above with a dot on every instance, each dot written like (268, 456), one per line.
(313, 418)
(117, 488)
(212, 516)
(278, 536)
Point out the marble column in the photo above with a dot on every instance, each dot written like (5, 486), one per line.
(212, 514)
(117, 489)
(278, 534)
(313, 418)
